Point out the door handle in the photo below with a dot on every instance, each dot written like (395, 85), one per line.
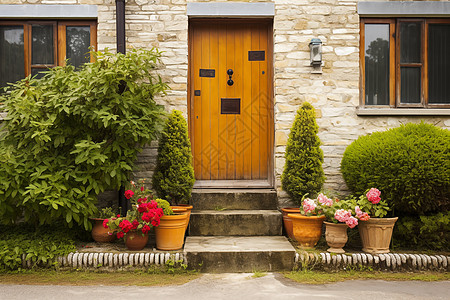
(230, 81)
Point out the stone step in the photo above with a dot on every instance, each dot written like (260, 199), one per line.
(235, 223)
(209, 199)
(222, 254)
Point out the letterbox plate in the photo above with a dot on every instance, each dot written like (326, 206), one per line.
(230, 106)
(256, 55)
(207, 73)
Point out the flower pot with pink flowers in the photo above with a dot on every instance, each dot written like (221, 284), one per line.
(376, 232)
(340, 216)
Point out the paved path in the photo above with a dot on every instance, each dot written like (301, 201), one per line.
(241, 287)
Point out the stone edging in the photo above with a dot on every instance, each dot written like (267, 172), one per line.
(384, 262)
(96, 260)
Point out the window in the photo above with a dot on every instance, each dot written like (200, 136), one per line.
(33, 46)
(405, 63)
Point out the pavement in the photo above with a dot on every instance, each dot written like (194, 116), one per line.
(239, 286)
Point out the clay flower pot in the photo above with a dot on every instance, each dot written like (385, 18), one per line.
(307, 229)
(183, 209)
(287, 221)
(170, 232)
(376, 234)
(336, 236)
(136, 241)
(99, 233)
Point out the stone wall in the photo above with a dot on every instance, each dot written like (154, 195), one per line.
(334, 93)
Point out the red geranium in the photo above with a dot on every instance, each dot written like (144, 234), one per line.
(129, 194)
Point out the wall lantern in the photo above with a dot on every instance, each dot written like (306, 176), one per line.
(315, 48)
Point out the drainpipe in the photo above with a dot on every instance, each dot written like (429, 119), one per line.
(120, 42)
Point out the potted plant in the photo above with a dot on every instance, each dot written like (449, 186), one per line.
(134, 227)
(376, 232)
(339, 216)
(307, 226)
(303, 173)
(99, 233)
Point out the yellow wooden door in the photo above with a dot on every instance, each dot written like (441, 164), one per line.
(230, 111)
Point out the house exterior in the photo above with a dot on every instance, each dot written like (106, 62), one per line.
(239, 70)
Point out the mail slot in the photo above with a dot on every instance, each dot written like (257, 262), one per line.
(230, 106)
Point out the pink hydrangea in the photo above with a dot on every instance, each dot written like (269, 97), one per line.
(351, 222)
(342, 215)
(324, 200)
(363, 216)
(373, 195)
(309, 205)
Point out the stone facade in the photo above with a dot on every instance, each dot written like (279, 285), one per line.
(334, 93)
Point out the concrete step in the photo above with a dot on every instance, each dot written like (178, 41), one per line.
(223, 254)
(204, 199)
(235, 223)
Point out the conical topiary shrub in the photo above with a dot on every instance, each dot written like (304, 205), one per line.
(174, 174)
(303, 173)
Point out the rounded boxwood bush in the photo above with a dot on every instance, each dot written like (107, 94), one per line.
(303, 172)
(409, 164)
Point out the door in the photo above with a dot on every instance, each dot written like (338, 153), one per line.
(230, 99)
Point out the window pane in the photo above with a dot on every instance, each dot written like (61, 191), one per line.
(77, 44)
(410, 42)
(42, 45)
(439, 63)
(11, 54)
(410, 85)
(376, 49)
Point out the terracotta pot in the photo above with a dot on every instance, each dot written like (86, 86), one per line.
(336, 236)
(287, 221)
(136, 241)
(376, 234)
(99, 233)
(184, 209)
(170, 232)
(307, 230)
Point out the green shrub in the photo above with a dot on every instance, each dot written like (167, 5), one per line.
(303, 173)
(41, 246)
(423, 232)
(174, 174)
(74, 134)
(165, 205)
(409, 165)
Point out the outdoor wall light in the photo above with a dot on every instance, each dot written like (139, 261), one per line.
(315, 48)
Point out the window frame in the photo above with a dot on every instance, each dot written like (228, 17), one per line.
(394, 62)
(59, 42)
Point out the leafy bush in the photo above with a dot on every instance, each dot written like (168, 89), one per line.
(41, 246)
(303, 173)
(409, 165)
(174, 174)
(74, 134)
(423, 232)
(165, 205)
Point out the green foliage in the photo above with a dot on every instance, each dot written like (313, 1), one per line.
(409, 164)
(74, 134)
(424, 232)
(165, 205)
(41, 246)
(174, 174)
(303, 173)
(107, 212)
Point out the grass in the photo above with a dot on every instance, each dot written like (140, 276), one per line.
(258, 274)
(321, 277)
(83, 278)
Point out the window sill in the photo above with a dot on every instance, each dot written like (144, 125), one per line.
(360, 111)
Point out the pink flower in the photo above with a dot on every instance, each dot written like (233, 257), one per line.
(373, 195)
(309, 205)
(351, 222)
(363, 216)
(324, 200)
(342, 215)
(105, 223)
(129, 194)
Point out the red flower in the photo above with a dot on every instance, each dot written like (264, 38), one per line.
(145, 229)
(142, 188)
(135, 224)
(129, 194)
(117, 216)
(142, 200)
(120, 235)
(105, 223)
(155, 222)
(125, 225)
